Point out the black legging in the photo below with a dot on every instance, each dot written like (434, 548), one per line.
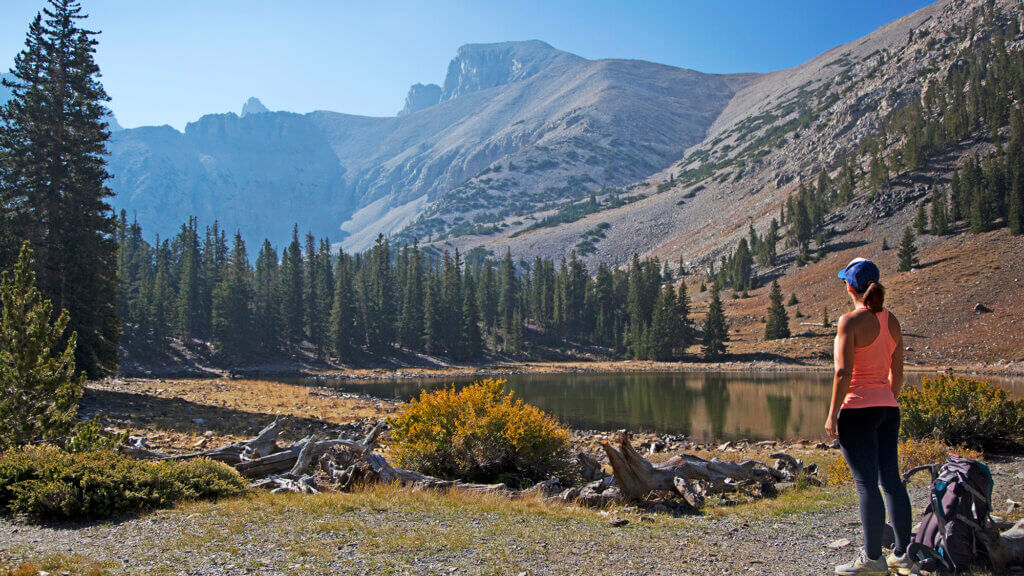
(868, 438)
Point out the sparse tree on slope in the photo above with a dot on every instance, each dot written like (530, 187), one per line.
(777, 326)
(716, 328)
(908, 251)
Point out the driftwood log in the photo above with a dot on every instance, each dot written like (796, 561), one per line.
(264, 443)
(313, 465)
(692, 477)
(1004, 549)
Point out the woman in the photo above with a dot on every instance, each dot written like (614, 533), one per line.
(865, 416)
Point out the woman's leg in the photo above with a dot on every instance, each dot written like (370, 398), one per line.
(896, 500)
(858, 441)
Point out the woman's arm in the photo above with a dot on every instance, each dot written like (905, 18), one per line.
(841, 382)
(896, 370)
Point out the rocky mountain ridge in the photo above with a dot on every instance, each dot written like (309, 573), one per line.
(777, 132)
(559, 128)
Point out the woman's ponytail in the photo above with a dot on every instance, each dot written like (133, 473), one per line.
(874, 297)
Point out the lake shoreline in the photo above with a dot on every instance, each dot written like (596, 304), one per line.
(506, 367)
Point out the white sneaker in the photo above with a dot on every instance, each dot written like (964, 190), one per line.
(902, 565)
(864, 566)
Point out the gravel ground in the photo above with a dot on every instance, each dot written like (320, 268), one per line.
(397, 532)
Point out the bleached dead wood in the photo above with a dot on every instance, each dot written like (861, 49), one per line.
(263, 444)
(688, 475)
(1005, 550)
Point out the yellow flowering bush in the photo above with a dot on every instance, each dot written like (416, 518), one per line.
(916, 452)
(479, 434)
(961, 411)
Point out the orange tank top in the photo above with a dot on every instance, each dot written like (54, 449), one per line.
(869, 384)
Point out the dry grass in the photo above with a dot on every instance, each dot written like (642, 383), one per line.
(266, 397)
(165, 410)
(55, 564)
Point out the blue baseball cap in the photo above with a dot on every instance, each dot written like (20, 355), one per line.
(859, 273)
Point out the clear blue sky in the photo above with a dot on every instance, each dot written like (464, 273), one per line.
(171, 62)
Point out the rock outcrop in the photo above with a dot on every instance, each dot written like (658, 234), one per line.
(482, 66)
(421, 96)
(253, 106)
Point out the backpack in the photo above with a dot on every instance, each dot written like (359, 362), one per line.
(958, 508)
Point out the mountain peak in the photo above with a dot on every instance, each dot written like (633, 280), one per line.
(421, 96)
(253, 106)
(482, 66)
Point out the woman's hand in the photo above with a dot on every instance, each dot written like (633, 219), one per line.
(832, 426)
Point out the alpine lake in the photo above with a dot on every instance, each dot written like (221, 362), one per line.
(704, 406)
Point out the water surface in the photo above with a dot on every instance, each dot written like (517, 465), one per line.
(706, 406)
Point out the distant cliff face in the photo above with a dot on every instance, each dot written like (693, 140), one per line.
(517, 129)
(259, 174)
(481, 66)
(421, 96)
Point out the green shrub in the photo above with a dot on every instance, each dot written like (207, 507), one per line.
(46, 483)
(479, 434)
(89, 437)
(961, 411)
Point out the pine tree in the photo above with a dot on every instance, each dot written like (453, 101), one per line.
(472, 343)
(290, 288)
(777, 326)
(908, 251)
(266, 303)
(232, 304)
(190, 317)
(434, 313)
(411, 323)
(53, 137)
(343, 310)
(162, 306)
(685, 335)
(665, 326)
(940, 218)
(716, 328)
(921, 220)
(39, 389)
(509, 295)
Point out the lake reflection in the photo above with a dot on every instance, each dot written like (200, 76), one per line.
(706, 406)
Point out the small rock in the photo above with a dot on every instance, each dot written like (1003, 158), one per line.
(841, 543)
(980, 308)
(617, 522)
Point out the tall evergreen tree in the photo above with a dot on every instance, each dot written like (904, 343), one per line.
(290, 288)
(190, 310)
(777, 326)
(232, 304)
(665, 326)
(53, 136)
(411, 323)
(921, 219)
(343, 310)
(940, 216)
(266, 303)
(471, 344)
(716, 328)
(908, 251)
(509, 294)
